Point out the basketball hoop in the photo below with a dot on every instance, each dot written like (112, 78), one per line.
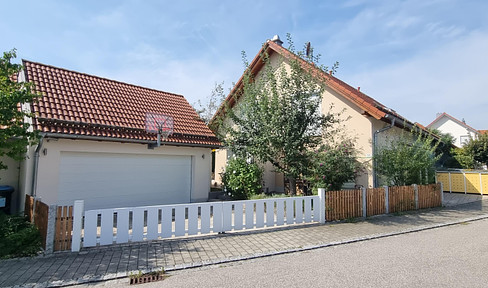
(161, 124)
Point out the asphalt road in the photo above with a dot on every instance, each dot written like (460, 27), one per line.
(452, 256)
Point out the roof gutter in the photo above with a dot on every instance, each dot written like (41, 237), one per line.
(112, 139)
(36, 166)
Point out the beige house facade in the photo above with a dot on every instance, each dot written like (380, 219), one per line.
(95, 144)
(365, 119)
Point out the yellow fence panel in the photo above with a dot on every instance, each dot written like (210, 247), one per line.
(467, 182)
(484, 181)
(473, 182)
(457, 182)
(444, 179)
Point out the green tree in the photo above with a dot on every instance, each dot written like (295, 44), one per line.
(207, 108)
(277, 118)
(446, 150)
(15, 133)
(242, 179)
(407, 159)
(334, 164)
(477, 150)
(465, 159)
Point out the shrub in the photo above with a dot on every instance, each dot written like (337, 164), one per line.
(333, 165)
(408, 159)
(18, 237)
(242, 179)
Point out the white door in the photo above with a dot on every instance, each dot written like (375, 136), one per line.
(111, 180)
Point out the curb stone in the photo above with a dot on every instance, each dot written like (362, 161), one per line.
(119, 275)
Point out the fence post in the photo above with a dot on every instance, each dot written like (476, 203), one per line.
(465, 187)
(78, 210)
(322, 205)
(442, 193)
(481, 185)
(416, 193)
(363, 190)
(51, 229)
(387, 201)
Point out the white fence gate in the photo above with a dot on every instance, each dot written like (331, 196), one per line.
(122, 225)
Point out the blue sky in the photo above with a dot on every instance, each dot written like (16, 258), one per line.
(416, 57)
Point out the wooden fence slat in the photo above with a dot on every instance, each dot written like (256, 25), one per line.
(58, 237)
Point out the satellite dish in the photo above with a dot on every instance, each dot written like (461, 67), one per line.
(308, 49)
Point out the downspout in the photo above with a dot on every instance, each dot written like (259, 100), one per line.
(36, 167)
(375, 139)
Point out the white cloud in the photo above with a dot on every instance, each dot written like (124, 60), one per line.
(450, 78)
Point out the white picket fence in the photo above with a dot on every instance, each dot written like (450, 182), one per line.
(133, 224)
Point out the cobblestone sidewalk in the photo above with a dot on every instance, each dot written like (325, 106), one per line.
(104, 263)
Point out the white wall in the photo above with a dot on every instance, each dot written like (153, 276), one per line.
(446, 125)
(49, 161)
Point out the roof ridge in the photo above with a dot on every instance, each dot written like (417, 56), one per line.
(454, 119)
(99, 77)
(364, 100)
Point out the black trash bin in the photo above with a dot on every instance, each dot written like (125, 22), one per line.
(6, 198)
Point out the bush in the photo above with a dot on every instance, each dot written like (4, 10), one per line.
(408, 159)
(242, 179)
(18, 237)
(333, 165)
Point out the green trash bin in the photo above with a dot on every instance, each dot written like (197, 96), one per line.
(6, 198)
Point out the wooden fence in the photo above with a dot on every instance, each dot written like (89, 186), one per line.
(64, 228)
(37, 213)
(343, 204)
(347, 204)
(55, 234)
(429, 196)
(375, 198)
(401, 198)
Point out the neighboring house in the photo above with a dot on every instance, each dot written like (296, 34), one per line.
(94, 145)
(461, 131)
(369, 122)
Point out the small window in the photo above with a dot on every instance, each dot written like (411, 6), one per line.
(464, 139)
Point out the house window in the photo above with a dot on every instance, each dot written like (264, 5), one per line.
(464, 139)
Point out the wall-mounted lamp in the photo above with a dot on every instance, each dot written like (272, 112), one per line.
(203, 156)
(44, 151)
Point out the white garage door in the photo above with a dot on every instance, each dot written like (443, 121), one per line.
(109, 180)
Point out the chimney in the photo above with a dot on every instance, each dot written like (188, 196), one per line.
(276, 39)
(359, 89)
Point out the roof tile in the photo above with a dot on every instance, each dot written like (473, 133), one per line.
(80, 104)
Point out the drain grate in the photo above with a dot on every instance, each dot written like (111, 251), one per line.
(146, 278)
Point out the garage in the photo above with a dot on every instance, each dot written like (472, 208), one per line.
(111, 180)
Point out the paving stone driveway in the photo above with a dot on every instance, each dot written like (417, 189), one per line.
(103, 263)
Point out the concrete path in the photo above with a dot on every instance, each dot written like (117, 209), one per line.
(103, 263)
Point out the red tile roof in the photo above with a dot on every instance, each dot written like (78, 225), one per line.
(74, 103)
(483, 132)
(369, 105)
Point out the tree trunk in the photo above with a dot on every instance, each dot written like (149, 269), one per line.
(293, 186)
